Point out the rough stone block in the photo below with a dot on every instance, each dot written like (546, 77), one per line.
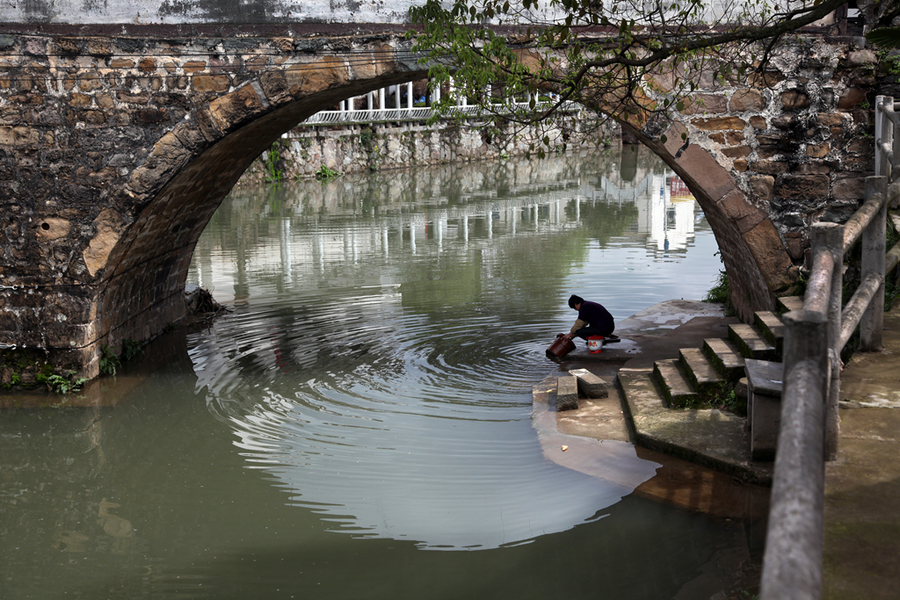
(849, 188)
(764, 385)
(794, 100)
(758, 122)
(751, 99)
(763, 187)
(566, 393)
(767, 248)
(698, 104)
(769, 167)
(803, 187)
(737, 152)
(590, 385)
(719, 123)
(818, 150)
(851, 98)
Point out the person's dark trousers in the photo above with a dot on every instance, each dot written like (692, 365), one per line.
(586, 332)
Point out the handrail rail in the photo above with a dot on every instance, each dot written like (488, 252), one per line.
(814, 338)
(383, 115)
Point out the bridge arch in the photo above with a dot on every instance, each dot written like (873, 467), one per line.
(153, 134)
(191, 169)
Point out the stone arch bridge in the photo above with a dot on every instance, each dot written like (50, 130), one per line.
(117, 145)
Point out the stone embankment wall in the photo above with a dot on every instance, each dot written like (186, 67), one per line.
(377, 146)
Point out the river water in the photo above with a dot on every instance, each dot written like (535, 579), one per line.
(359, 424)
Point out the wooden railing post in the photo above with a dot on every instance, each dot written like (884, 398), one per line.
(884, 137)
(792, 565)
(829, 237)
(873, 256)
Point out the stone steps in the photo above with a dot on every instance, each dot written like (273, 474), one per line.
(725, 357)
(673, 380)
(698, 382)
(770, 327)
(789, 303)
(750, 343)
(701, 377)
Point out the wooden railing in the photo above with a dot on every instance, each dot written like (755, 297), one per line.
(814, 338)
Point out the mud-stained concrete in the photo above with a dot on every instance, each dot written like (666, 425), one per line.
(862, 487)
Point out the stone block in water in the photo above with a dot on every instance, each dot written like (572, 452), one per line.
(589, 385)
(566, 393)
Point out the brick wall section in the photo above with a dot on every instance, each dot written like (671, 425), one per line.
(115, 152)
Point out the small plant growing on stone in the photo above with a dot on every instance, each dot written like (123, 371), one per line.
(109, 361)
(720, 293)
(325, 174)
(131, 349)
(63, 384)
(273, 162)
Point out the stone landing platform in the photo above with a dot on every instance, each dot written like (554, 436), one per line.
(713, 438)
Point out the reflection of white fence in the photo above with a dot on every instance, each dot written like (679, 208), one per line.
(386, 115)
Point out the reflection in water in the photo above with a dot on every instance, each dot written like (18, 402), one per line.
(400, 348)
(374, 379)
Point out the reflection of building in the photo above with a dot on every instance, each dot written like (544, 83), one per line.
(666, 208)
(448, 212)
(670, 214)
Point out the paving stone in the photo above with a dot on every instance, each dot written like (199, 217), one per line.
(590, 385)
(566, 393)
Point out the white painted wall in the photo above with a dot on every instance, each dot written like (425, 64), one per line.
(282, 11)
(204, 11)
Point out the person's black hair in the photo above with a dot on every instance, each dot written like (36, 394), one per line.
(573, 300)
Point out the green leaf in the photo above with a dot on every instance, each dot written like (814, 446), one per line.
(887, 37)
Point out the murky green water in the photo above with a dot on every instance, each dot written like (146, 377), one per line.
(359, 425)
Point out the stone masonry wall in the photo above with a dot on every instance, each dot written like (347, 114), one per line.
(378, 146)
(116, 151)
(773, 154)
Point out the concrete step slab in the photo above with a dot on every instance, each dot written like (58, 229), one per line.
(750, 343)
(709, 437)
(789, 303)
(589, 384)
(771, 328)
(566, 393)
(725, 356)
(673, 382)
(709, 384)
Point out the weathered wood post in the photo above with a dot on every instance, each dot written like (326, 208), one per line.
(792, 566)
(884, 138)
(829, 237)
(873, 260)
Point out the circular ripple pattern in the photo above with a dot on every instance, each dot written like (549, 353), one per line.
(381, 373)
(393, 430)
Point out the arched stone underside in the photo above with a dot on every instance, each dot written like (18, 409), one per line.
(116, 152)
